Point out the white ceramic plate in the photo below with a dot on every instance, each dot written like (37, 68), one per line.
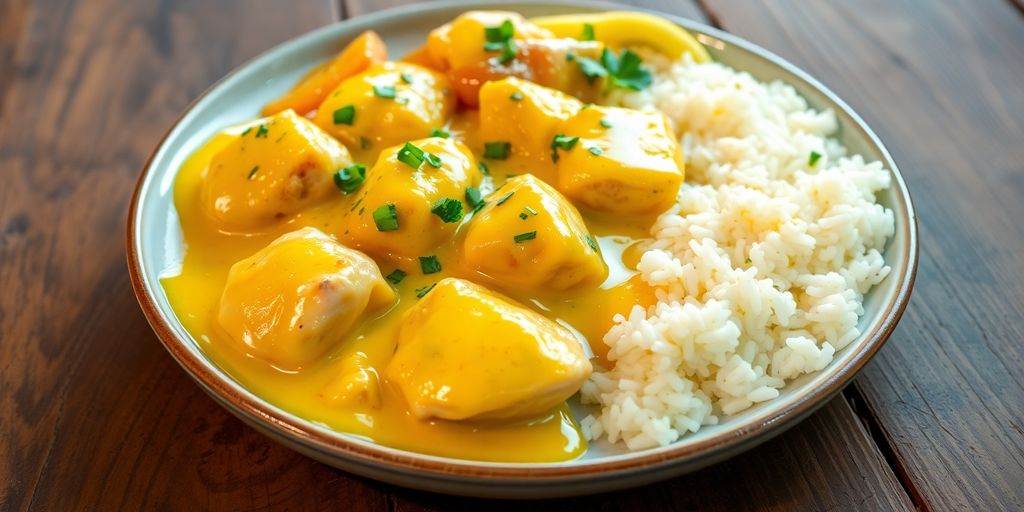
(155, 247)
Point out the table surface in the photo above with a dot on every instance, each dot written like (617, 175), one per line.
(94, 414)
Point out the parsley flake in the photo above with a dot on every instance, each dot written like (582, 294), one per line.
(420, 292)
(590, 241)
(430, 264)
(386, 217)
(345, 115)
(504, 198)
(483, 168)
(448, 209)
(813, 159)
(522, 237)
(605, 123)
(474, 198)
(252, 173)
(350, 178)
(563, 142)
(406, 77)
(516, 96)
(396, 276)
(262, 131)
(497, 150)
(438, 132)
(588, 32)
(594, 150)
(625, 70)
(384, 91)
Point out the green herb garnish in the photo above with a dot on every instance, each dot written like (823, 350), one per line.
(350, 178)
(531, 211)
(384, 91)
(516, 96)
(396, 276)
(500, 39)
(522, 237)
(604, 123)
(591, 68)
(504, 198)
(483, 168)
(474, 198)
(625, 70)
(497, 150)
(588, 32)
(246, 132)
(420, 292)
(262, 131)
(345, 115)
(450, 210)
(591, 242)
(594, 150)
(437, 132)
(386, 217)
(252, 173)
(430, 264)
(813, 159)
(563, 142)
(364, 143)
(406, 77)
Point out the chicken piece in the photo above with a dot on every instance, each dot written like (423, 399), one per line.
(356, 383)
(555, 63)
(465, 352)
(525, 115)
(461, 42)
(529, 238)
(624, 162)
(392, 215)
(387, 104)
(276, 167)
(296, 298)
(364, 51)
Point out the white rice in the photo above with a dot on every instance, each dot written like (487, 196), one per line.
(760, 269)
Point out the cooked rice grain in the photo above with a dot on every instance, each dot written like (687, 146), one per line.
(760, 268)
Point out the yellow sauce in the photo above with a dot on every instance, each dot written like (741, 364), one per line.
(195, 293)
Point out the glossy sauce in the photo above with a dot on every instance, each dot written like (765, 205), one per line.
(195, 292)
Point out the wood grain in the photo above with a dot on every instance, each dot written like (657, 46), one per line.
(94, 414)
(941, 82)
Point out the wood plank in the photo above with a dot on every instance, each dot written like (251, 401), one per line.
(12, 18)
(94, 413)
(824, 463)
(941, 83)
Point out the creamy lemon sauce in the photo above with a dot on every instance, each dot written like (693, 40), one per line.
(554, 436)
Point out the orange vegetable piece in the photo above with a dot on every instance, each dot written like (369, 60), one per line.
(364, 51)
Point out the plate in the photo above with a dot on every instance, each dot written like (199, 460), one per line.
(154, 247)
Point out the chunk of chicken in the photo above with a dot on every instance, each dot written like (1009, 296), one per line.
(625, 161)
(533, 241)
(276, 167)
(387, 104)
(296, 298)
(525, 115)
(392, 214)
(468, 353)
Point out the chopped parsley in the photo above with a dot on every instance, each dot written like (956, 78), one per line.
(604, 123)
(430, 264)
(262, 131)
(563, 142)
(396, 276)
(594, 150)
(474, 198)
(406, 77)
(364, 143)
(483, 168)
(420, 292)
(499, 39)
(625, 70)
(588, 32)
(448, 209)
(384, 91)
(350, 178)
(345, 115)
(591, 242)
(531, 211)
(591, 68)
(438, 132)
(497, 150)
(246, 132)
(516, 96)
(522, 215)
(414, 157)
(504, 198)
(522, 237)
(813, 159)
(386, 217)
(252, 173)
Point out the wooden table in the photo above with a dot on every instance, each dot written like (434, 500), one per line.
(95, 415)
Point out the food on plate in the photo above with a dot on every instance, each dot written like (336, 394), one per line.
(387, 104)
(530, 238)
(297, 297)
(503, 360)
(364, 51)
(412, 199)
(273, 168)
(525, 236)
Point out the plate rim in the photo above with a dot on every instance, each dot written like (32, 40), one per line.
(366, 453)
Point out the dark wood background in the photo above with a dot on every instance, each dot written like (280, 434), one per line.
(94, 415)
